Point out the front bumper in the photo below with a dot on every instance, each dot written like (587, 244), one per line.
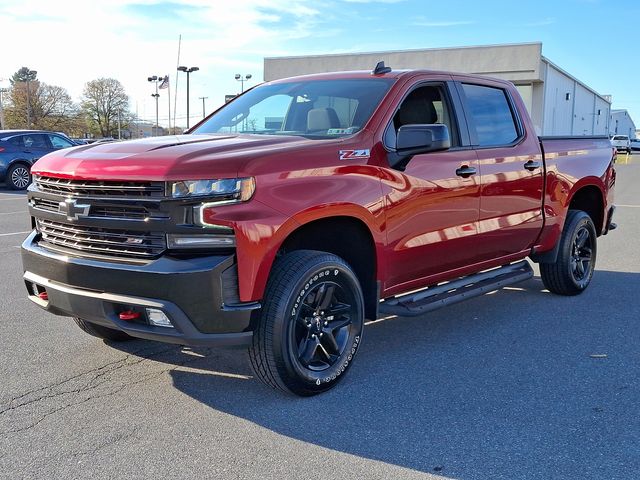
(191, 292)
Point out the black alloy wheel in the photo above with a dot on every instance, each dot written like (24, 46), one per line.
(581, 255)
(321, 329)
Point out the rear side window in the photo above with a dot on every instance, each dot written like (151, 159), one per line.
(491, 114)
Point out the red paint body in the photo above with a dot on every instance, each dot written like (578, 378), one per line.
(428, 224)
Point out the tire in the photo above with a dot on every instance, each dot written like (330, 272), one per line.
(311, 324)
(99, 331)
(18, 176)
(573, 270)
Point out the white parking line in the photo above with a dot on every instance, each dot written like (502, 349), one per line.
(14, 233)
(628, 206)
(13, 213)
(13, 199)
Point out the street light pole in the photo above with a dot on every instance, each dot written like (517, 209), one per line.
(242, 79)
(156, 95)
(188, 71)
(203, 109)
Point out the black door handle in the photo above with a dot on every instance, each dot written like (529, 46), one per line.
(465, 171)
(531, 165)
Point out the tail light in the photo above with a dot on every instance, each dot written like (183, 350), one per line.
(1, 149)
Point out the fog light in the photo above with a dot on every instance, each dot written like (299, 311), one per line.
(200, 241)
(158, 318)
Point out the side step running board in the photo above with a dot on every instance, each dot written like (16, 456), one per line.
(441, 295)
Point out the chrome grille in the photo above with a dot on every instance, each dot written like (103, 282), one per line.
(102, 241)
(98, 188)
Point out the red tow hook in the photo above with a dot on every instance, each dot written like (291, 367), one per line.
(43, 296)
(129, 315)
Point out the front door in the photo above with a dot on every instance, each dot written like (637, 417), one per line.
(432, 207)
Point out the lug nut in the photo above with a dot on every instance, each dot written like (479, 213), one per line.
(326, 323)
(313, 335)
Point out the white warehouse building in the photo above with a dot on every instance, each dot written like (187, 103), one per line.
(622, 124)
(559, 104)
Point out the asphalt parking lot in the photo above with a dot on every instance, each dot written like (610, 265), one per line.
(516, 384)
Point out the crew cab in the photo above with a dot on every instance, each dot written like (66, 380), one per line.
(305, 206)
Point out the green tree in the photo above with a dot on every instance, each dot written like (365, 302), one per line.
(23, 75)
(105, 102)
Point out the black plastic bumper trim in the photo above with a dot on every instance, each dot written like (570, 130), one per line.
(103, 309)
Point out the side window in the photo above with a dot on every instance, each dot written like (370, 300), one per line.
(424, 105)
(59, 142)
(17, 141)
(35, 141)
(491, 114)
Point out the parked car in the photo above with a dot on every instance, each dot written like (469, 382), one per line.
(634, 144)
(19, 149)
(307, 205)
(621, 143)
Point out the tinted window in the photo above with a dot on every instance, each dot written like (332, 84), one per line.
(35, 141)
(17, 141)
(59, 142)
(489, 110)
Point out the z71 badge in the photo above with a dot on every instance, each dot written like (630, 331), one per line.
(354, 154)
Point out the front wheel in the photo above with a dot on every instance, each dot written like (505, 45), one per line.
(311, 324)
(572, 272)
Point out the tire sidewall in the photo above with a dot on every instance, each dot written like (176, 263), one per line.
(582, 220)
(316, 381)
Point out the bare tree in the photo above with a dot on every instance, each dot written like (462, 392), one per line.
(104, 101)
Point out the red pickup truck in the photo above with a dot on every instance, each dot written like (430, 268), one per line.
(307, 205)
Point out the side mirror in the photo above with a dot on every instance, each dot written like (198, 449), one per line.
(417, 139)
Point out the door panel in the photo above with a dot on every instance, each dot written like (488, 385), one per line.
(432, 216)
(511, 200)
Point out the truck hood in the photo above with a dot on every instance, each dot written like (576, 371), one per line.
(168, 158)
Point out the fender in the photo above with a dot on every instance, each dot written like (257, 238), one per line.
(300, 219)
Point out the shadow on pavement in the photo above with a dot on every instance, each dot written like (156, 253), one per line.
(503, 386)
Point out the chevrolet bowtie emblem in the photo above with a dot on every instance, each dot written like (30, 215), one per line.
(72, 209)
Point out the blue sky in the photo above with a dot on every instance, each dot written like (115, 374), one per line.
(130, 40)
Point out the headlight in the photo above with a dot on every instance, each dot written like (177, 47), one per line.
(228, 190)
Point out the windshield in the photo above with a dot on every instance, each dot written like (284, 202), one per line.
(620, 137)
(313, 108)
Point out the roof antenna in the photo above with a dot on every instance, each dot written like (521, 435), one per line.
(381, 69)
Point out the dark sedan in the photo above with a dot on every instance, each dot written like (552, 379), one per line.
(19, 149)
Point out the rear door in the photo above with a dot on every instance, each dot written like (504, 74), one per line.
(34, 145)
(511, 170)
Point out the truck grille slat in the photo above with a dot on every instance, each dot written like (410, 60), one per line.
(65, 186)
(106, 211)
(102, 240)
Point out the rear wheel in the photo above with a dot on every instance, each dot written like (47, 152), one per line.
(18, 177)
(572, 272)
(99, 331)
(311, 324)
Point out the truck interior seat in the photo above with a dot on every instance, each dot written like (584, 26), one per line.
(319, 119)
(417, 108)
